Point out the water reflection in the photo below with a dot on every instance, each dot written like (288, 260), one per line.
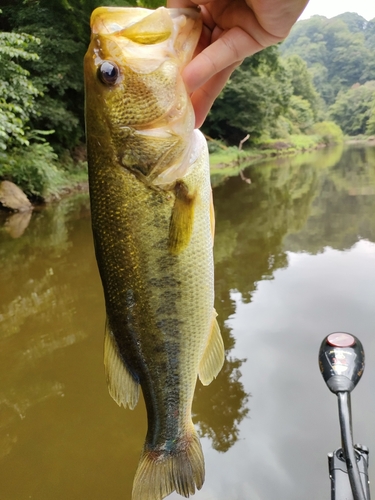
(220, 408)
(343, 207)
(17, 223)
(304, 203)
(38, 303)
(61, 436)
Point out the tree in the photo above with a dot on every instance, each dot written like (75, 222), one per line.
(300, 114)
(256, 95)
(371, 121)
(57, 73)
(301, 81)
(353, 108)
(338, 51)
(17, 101)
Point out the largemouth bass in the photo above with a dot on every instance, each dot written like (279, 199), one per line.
(153, 225)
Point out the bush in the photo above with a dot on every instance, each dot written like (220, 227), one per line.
(329, 132)
(300, 113)
(353, 108)
(33, 169)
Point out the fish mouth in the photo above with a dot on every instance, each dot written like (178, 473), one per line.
(110, 20)
(137, 30)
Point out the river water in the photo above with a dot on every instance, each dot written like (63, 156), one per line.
(295, 260)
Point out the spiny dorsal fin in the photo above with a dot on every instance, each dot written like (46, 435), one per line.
(213, 356)
(182, 219)
(160, 472)
(121, 385)
(155, 28)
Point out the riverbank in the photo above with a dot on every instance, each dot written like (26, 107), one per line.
(224, 162)
(234, 158)
(361, 139)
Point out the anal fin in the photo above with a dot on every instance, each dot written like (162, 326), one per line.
(121, 384)
(213, 356)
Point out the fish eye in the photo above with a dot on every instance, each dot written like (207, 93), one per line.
(108, 72)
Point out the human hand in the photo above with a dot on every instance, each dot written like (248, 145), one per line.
(232, 30)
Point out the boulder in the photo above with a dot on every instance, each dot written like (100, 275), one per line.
(11, 196)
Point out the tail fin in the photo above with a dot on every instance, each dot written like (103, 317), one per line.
(160, 472)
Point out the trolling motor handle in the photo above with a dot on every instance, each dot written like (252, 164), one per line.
(341, 361)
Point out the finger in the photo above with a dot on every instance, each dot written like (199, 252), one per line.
(231, 48)
(203, 98)
(277, 16)
(203, 42)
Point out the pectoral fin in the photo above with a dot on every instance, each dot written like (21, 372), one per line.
(182, 219)
(213, 356)
(121, 384)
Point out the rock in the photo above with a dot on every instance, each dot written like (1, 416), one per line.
(11, 196)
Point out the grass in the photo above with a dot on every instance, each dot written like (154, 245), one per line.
(232, 157)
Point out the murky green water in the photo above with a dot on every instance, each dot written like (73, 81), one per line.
(295, 260)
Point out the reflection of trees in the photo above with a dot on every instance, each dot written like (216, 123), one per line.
(251, 224)
(343, 208)
(252, 220)
(38, 314)
(219, 408)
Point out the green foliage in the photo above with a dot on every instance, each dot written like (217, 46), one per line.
(257, 93)
(57, 73)
(33, 169)
(329, 132)
(17, 93)
(300, 113)
(370, 35)
(370, 129)
(151, 4)
(353, 108)
(339, 56)
(302, 84)
(338, 51)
